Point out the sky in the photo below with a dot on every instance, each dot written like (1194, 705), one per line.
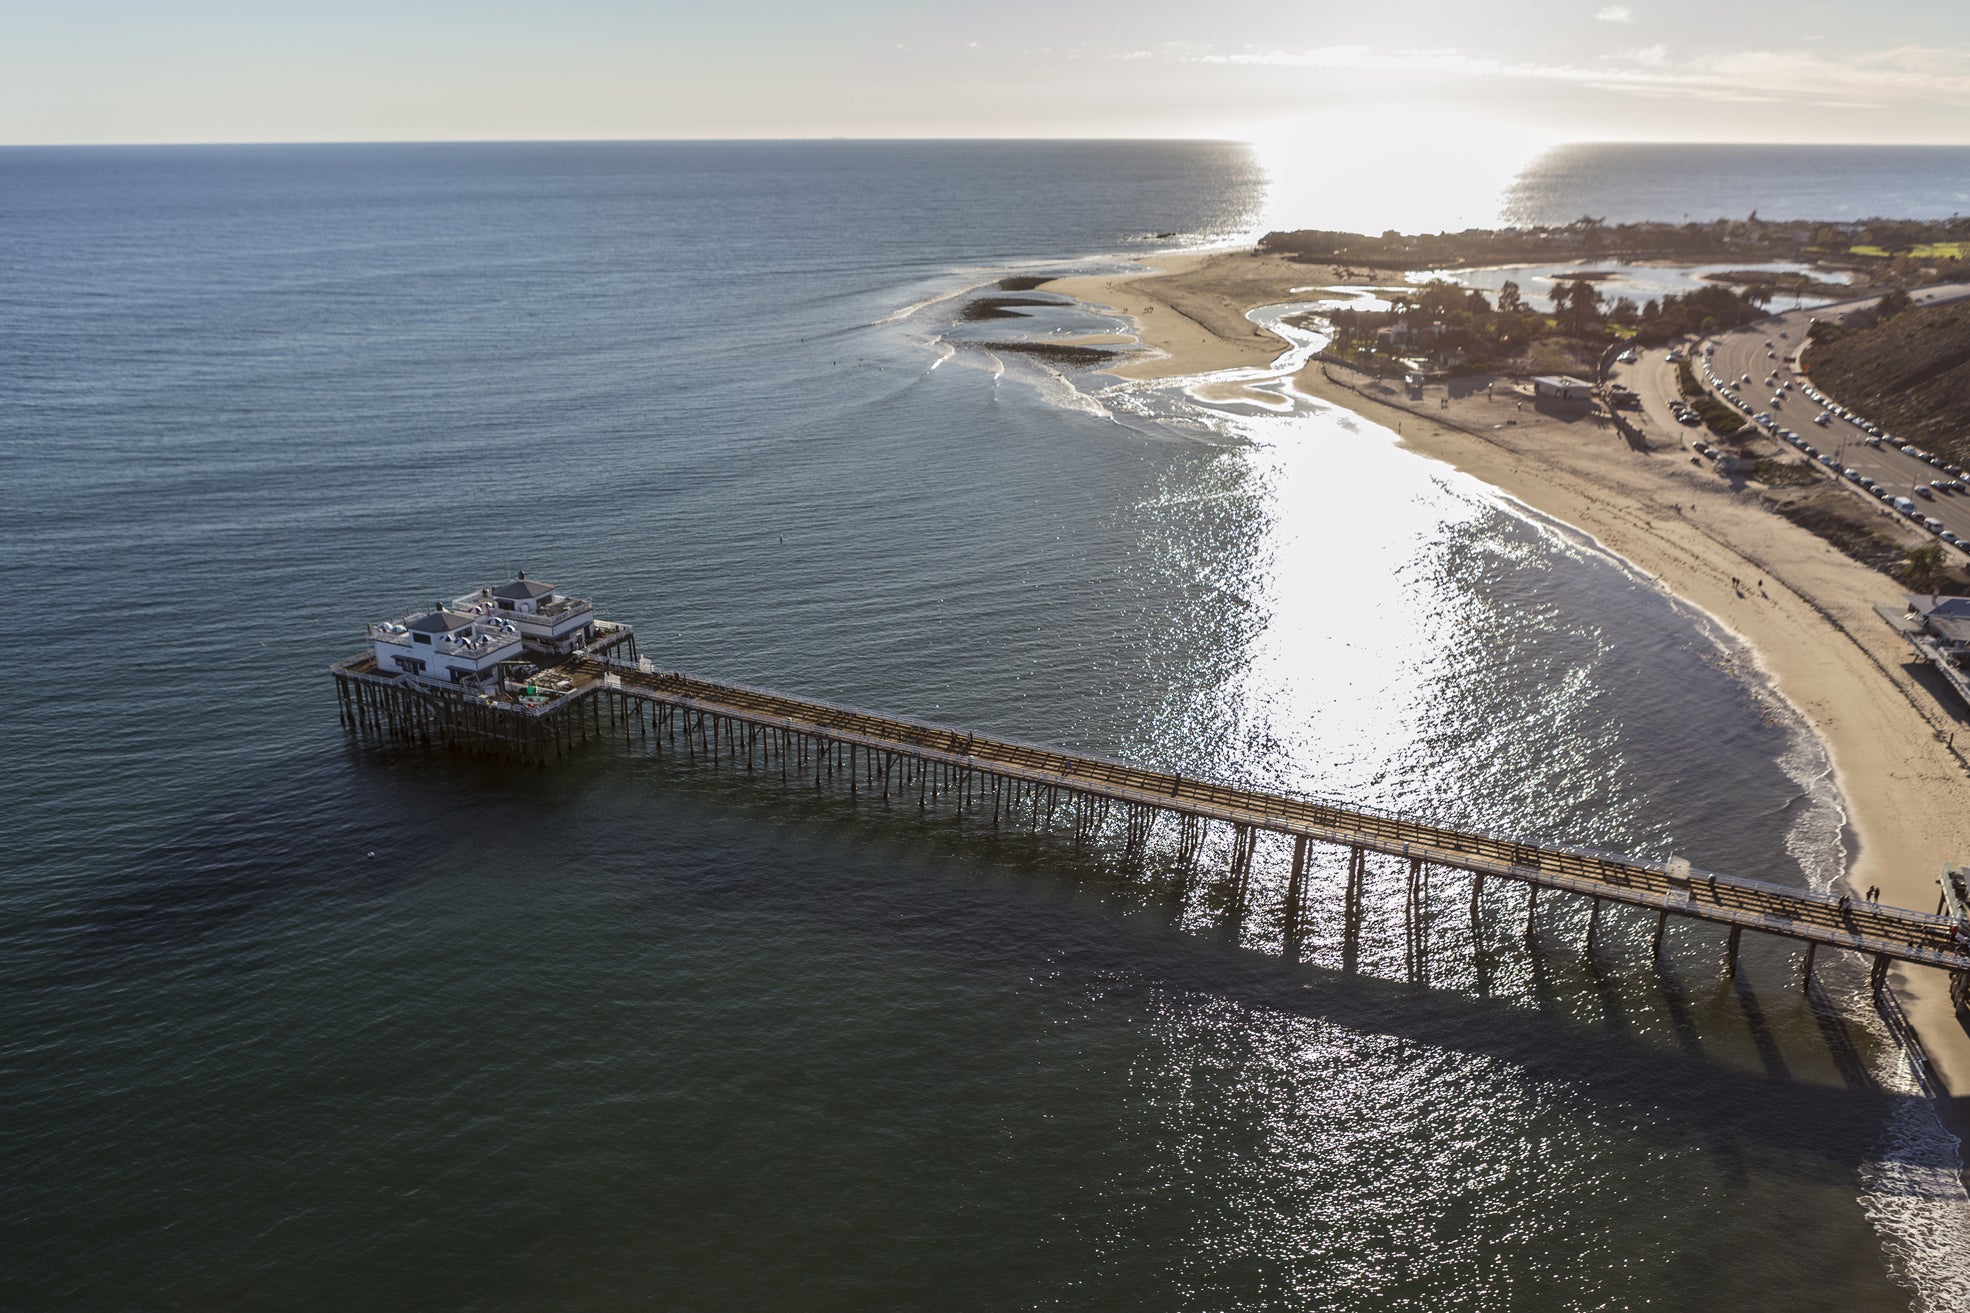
(1529, 72)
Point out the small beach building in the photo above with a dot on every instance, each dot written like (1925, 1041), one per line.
(1562, 387)
(1417, 371)
(1946, 620)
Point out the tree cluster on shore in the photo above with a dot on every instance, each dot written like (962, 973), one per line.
(1877, 248)
(1461, 328)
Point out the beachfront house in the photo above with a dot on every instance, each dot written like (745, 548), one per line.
(1946, 622)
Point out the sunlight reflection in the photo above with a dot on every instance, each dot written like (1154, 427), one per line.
(1367, 172)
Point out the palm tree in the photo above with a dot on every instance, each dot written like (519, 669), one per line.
(1578, 303)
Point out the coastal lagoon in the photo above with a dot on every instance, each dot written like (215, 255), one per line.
(1615, 279)
(294, 1026)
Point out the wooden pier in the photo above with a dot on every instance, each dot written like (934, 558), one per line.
(383, 705)
(805, 740)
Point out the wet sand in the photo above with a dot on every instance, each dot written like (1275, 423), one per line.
(1802, 607)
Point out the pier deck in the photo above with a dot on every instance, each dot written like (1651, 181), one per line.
(1887, 934)
(868, 749)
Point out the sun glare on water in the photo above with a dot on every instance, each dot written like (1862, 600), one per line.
(1360, 171)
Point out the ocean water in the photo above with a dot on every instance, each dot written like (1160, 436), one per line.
(1635, 181)
(297, 1025)
(1623, 182)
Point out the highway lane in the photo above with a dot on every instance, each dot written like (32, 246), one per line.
(1767, 350)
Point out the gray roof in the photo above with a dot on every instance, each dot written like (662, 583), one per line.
(438, 622)
(1958, 607)
(515, 590)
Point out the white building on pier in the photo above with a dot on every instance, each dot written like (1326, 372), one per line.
(551, 624)
(466, 641)
(446, 646)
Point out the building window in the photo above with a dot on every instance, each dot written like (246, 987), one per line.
(410, 665)
(421, 638)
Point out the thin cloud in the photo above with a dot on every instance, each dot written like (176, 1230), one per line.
(1734, 77)
(1616, 14)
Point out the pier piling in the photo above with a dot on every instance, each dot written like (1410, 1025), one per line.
(1110, 806)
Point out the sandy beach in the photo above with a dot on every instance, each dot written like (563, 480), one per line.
(1802, 607)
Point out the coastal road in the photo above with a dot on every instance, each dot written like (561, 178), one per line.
(1768, 347)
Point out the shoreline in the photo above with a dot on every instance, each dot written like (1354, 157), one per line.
(1808, 622)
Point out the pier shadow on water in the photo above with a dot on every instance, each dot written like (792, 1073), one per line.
(652, 884)
(1749, 1055)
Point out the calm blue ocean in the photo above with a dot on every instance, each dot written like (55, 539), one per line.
(294, 1026)
(1635, 181)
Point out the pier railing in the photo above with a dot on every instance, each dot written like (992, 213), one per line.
(733, 721)
(1884, 932)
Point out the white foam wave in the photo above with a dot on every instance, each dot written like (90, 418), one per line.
(939, 298)
(1913, 1195)
(1056, 389)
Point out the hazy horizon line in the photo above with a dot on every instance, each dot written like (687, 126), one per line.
(836, 137)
